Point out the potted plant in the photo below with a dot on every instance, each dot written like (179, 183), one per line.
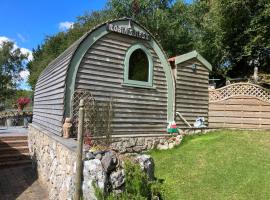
(8, 117)
(22, 102)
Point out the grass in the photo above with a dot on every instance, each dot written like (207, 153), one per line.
(219, 165)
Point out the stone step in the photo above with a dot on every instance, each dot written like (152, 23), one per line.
(15, 163)
(14, 156)
(13, 143)
(10, 150)
(9, 138)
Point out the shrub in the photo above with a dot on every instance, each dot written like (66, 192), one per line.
(137, 186)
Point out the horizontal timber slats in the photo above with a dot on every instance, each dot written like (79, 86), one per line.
(191, 92)
(49, 93)
(136, 110)
(240, 112)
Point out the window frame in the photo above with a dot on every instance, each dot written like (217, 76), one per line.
(134, 83)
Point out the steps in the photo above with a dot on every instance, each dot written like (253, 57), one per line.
(14, 151)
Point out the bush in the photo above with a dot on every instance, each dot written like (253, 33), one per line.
(137, 186)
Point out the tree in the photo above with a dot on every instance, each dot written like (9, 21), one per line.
(239, 35)
(231, 34)
(12, 62)
(54, 45)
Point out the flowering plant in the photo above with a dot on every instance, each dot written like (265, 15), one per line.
(22, 102)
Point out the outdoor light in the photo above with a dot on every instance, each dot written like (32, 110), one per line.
(194, 67)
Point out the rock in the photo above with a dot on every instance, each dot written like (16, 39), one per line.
(178, 139)
(138, 149)
(99, 152)
(86, 147)
(98, 156)
(140, 142)
(93, 173)
(163, 146)
(117, 179)
(146, 163)
(89, 156)
(171, 145)
(109, 161)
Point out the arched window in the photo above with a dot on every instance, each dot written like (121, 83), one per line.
(138, 67)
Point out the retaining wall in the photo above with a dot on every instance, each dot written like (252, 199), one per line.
(55, 160)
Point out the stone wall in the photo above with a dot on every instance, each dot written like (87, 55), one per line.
(55, 161)
(144, 143)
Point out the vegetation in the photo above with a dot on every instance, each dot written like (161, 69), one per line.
(11, 102)
(219, 165)
(231, 34)
(137, 186)
(12, 62)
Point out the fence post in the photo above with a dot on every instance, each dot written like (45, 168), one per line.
(79, 152)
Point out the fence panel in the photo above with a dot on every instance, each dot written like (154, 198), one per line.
(240, 105)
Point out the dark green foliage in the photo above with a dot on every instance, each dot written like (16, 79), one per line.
(16, 94)
(137, 186)
(136, 181)
(231, 34)
(12, 62)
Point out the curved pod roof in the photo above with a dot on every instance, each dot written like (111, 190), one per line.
(55, 86)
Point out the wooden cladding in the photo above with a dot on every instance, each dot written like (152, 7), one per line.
(191, 92)
(136, 110)
(240, 111)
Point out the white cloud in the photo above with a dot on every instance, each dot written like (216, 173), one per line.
(23, 50)
(29, 52)
(63, 26)
(24, 74)
(3, 39)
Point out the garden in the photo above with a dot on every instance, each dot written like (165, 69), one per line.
(223, 164)
(19, 114)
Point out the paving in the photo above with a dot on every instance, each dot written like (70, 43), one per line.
(20, 183)
(18, 179)
(12, 131)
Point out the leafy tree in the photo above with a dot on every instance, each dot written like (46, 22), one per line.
(231, 34)
(12, 62)
(54, 45)
(239, 34)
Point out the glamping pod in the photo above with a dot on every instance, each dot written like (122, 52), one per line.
(121, 60)
(191, 74)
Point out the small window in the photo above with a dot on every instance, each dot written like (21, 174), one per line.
(138, 67)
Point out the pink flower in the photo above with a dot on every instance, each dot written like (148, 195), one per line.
(22, 102)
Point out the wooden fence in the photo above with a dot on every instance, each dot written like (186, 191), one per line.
(239, 105)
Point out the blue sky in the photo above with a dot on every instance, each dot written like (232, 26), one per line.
(28, 22)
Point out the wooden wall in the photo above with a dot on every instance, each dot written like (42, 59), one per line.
(48, 109)
(191, 92)
(240, 112)
(137, 110)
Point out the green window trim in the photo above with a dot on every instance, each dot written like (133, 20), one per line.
(134, 83)
(89, 41)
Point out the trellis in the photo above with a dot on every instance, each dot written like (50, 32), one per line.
(89, 102)
(98, 114)
(239, 89)
(239, 105)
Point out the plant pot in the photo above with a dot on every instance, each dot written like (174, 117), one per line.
(25, 122)
(9, 122)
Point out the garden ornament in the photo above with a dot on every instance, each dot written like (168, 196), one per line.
(172, 128)
(67, 128)
(199, 122)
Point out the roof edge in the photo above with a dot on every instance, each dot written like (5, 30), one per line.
(190, 55)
